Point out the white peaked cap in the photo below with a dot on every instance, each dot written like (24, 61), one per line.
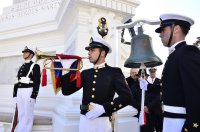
(98, 42)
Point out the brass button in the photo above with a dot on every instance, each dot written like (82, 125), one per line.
(186, 130)
(195, 125)
(19, 84)
(112, 103)
(96, 70)
(95, 76)
(94, 82)
(92, 96)
(93, 89)
(115, 109)
(120, 105)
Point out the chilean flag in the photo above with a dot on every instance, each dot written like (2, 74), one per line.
(56, 76)
(142, 118)
(69, 64)
(73, 63)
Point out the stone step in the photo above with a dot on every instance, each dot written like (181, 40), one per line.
(38, 119)
(6, 127)
(40, 124)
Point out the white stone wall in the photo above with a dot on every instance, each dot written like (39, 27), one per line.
(63, 26)
(18, 1)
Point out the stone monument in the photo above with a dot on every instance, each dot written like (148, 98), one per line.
(61, 26)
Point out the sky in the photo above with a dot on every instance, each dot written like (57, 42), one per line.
(151, 9)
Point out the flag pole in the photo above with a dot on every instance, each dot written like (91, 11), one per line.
(142, 117)
(14, 120)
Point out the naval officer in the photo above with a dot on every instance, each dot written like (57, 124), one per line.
(154, 83)
(100, 84)
(180, 77)
(26, 90)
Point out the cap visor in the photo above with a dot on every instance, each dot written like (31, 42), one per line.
(30, 51)
(24, 51)
(93, 46)
(87, 48)
(158, 30)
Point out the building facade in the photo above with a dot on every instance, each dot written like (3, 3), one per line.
(61, 26)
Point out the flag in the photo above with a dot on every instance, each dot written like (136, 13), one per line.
(75, 64)
(142, 118)
(56, 76)
(71, 65)
(44, 77)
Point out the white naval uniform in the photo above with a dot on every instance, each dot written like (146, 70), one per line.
(100, 124)
(173, 124)
(25, 92)
(25, 106)
(150, 80)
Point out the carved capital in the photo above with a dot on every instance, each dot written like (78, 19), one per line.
(124, 6)
(30, 7)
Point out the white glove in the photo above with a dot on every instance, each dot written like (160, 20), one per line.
(15, 100)
(143, 84)
(32, 100)
(95, 112)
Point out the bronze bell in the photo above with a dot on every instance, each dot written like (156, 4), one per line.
(142, 52)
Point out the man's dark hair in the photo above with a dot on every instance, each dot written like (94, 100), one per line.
(184, 30)
(102, 49)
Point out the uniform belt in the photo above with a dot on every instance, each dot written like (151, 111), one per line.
(86, 107)
(19, 81)
(174, 109)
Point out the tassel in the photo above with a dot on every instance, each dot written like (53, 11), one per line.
(44, 77)
(72, 77)
(78, 79)
(145, 119)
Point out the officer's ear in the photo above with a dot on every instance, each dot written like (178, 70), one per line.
(103, 53)
(177, 29)
(31, 55)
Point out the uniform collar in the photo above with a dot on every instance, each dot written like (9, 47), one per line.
(27, 61)
(151, 80)
(172, 48)
(102, 65)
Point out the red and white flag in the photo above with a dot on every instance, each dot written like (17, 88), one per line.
(142, 118)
